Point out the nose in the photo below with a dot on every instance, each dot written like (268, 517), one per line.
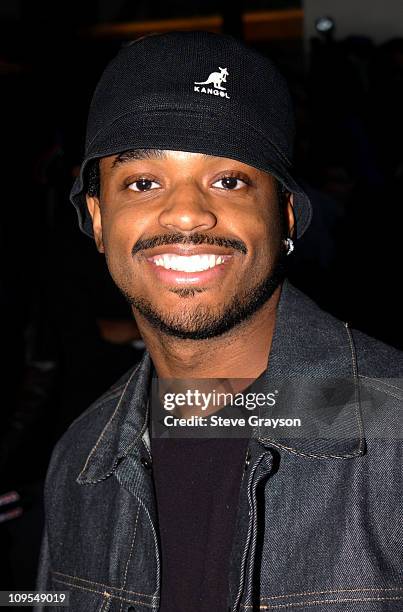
(187, 210)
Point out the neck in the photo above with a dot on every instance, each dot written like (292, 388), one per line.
(240, 353)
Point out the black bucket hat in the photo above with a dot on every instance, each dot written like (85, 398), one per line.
(198, 92)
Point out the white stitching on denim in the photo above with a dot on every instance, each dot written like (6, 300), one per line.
(388, 392)
(371, 383)
(383, 382)
(76, 586)
(357, 386)
(326, 601)
(147, 449)
(252, 547)
(157, 576)
(100, 403)
(245, 554)
(130, 554)
(107, 586)
(140, 436)
(309, 455)
(108, 423)
(332, 591)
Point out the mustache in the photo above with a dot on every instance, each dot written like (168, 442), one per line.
(150, 243)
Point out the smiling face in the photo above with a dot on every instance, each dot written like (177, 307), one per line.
(194, 242)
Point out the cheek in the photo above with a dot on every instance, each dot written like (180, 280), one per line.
(119, 265)
(118, 239)
(264, 234)
(117, 244)
(122, 226)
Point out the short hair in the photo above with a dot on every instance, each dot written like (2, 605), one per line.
(92, 179)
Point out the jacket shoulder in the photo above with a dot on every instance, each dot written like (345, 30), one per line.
(106, 400)
(375, 359)
(72, 448)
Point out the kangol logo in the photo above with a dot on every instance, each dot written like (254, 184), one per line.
(215, 79)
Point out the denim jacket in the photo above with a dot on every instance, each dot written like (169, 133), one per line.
(320, 512)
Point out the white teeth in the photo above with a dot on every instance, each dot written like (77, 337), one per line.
(185, 263)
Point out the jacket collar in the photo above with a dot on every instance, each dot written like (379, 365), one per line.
(126, 428)
(312, 365)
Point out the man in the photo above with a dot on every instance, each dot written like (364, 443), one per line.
(186, 188)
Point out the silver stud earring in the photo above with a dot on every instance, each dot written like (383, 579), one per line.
(289, 243)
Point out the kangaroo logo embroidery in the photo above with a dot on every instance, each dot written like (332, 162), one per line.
(215, 79)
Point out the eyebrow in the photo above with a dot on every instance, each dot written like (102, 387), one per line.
(138, 154)
(128, 156)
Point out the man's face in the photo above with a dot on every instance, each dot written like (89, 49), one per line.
(194, 242)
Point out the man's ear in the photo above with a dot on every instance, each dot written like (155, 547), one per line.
(289, 215)
(95, 212)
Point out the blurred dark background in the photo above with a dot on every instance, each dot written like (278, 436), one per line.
(67, 333)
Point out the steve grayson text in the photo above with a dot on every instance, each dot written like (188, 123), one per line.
(219, 421)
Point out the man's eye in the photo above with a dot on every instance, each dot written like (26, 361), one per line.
(229, 182)
(143, 185)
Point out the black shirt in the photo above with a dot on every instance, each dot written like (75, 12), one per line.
(197, 482)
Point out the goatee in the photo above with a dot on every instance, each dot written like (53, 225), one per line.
(200, 322)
